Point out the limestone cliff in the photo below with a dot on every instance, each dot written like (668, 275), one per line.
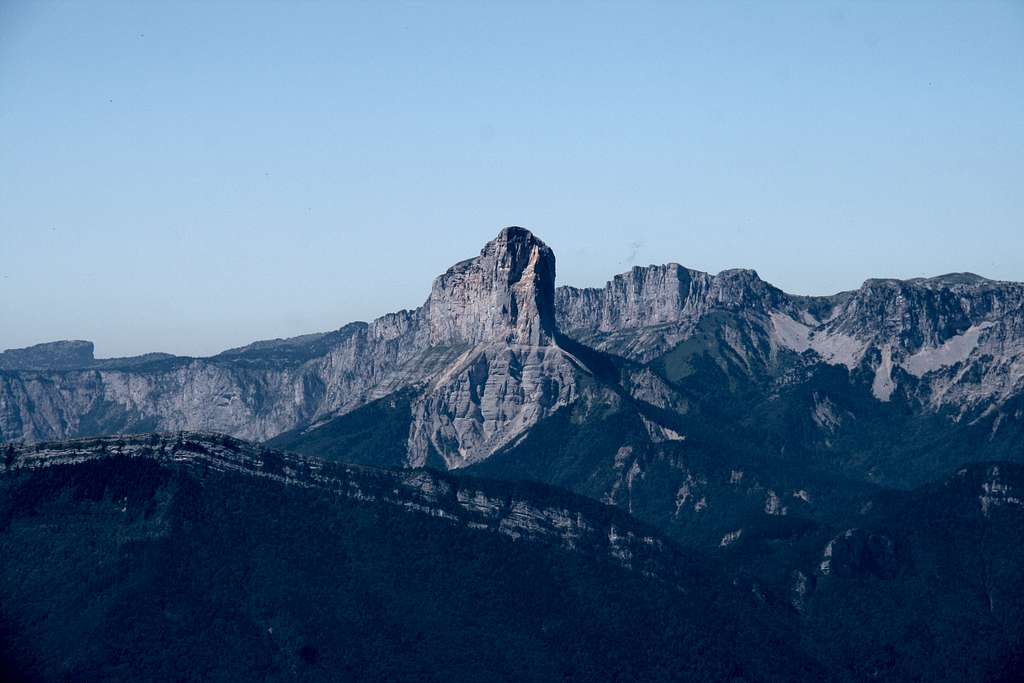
(486, 355)
(483, 347)
(954, 340)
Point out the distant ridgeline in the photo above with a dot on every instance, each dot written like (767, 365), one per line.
(496, 349)
(67, 355)
(60, 355)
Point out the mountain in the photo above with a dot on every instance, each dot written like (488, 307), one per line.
(192, 556)
(496, 348)
(513, 373)
(954, 340)
(699, 402)
(488, 320)
(931, 368)
(833, 481)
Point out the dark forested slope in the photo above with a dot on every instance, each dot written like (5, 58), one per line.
(128, 567)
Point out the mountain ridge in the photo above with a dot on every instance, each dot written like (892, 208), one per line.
(524, 510)
(199, 559)
(166, 507)
(488, 355)
(312, 338)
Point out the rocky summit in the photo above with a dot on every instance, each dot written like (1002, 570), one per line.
(506, 294)
(500, 305)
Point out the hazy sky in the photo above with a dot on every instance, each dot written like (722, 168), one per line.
(189, 176)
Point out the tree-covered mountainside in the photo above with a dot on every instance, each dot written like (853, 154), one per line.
(134, 568)
(925, 584)
(200, 557)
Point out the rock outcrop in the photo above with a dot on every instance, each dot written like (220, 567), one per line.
(857, 553)
(514, 374)
(645, 312)
(504, 294)
(252, 394)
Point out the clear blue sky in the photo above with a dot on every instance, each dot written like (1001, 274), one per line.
(189, 176)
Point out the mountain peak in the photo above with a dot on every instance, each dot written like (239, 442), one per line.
(506, 293)
(513, 233)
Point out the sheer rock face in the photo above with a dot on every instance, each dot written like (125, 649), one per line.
(959, 336)
(922, 313)
(659, 295)
(507, 293)
(645, 312)
(254, 394)
(492, 395)
(514, 375)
